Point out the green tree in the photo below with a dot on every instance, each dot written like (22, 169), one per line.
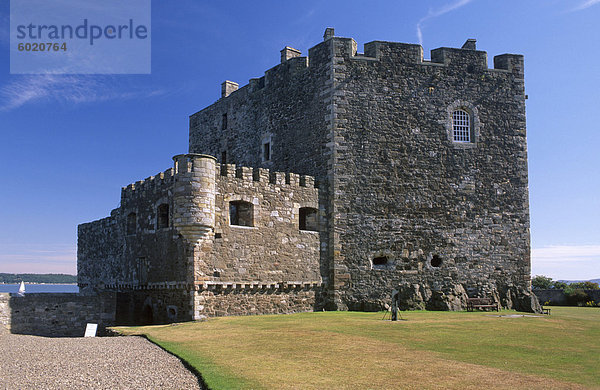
(541, 282)
(559, 285)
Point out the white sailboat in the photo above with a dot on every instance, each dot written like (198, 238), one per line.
(22, 289)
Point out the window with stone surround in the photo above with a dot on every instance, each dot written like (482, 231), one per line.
(266, 150)
(241, 213)
(461, 126)
(309, 219)
(162, 216)
(131, 223)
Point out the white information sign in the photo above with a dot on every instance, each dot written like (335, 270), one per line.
(90, 330)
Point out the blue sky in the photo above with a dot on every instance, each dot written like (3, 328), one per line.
(69, 142)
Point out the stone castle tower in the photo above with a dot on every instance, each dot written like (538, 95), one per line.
(408, 174)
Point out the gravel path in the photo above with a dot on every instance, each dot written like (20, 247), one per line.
(32, 362)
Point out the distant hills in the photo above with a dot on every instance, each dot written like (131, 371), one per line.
(580, 281)
(38, 278)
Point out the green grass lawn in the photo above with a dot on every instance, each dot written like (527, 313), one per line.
(359, 350)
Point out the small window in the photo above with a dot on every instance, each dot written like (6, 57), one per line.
(309, 219)
(267, 151)
(131, 223)
(224, 122)
(436, 261)
(461, 126)
(240, 213)
(381, 262)
(162, 216)
(223, 157)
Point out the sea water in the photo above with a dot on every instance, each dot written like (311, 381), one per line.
(40, 288)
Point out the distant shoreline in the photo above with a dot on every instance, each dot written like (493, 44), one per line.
(65, 284)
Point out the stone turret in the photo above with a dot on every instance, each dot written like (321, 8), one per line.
(194, 196)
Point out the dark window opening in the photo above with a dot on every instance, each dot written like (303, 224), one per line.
(309, 219)
(380, 261)
(267, 151)
(131, 223)
(163, 216)
(224, 122)
(224, 157)
(218, 235)
(436, 261)
(240, 213)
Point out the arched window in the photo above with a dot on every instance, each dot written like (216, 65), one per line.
(131, 223)
(162, 216)
(240, 213)
(309, 219)
(461, 126)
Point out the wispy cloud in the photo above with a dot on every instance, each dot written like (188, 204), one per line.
(69, 89)
(586, 4)
(434, 13)
(567, 261)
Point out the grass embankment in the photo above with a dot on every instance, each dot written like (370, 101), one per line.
(359, 350)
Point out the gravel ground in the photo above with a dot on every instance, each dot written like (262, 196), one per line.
(32, 362)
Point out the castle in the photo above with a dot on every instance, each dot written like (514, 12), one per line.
(326, 184)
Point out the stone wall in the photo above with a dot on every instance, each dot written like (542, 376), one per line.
(111, 254)
(56, 315)
(441, 213)
(558, 297)
(153, 306)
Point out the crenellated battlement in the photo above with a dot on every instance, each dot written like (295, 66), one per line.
(159, 182)
(466, 57)
(263, 175)
(187, 163)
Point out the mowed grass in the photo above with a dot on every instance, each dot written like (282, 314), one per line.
(353, 350)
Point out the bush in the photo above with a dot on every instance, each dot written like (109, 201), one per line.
(576, 296)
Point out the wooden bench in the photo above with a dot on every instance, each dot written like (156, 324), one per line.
(545, 310)
(482, 303)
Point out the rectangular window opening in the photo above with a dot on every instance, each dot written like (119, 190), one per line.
(224, 122)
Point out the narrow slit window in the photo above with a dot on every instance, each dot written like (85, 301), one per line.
(461, 126)
(240, 213)
(308, 219)
(163, 216)
(224, 122)
(267, 151)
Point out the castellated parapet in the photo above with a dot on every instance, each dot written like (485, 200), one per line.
(356, 174)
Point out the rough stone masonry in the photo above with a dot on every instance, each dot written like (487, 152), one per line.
(327, 183)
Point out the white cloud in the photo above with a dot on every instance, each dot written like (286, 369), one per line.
(70, 89)
(571, 262)
(586, 4)
(434, 13)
